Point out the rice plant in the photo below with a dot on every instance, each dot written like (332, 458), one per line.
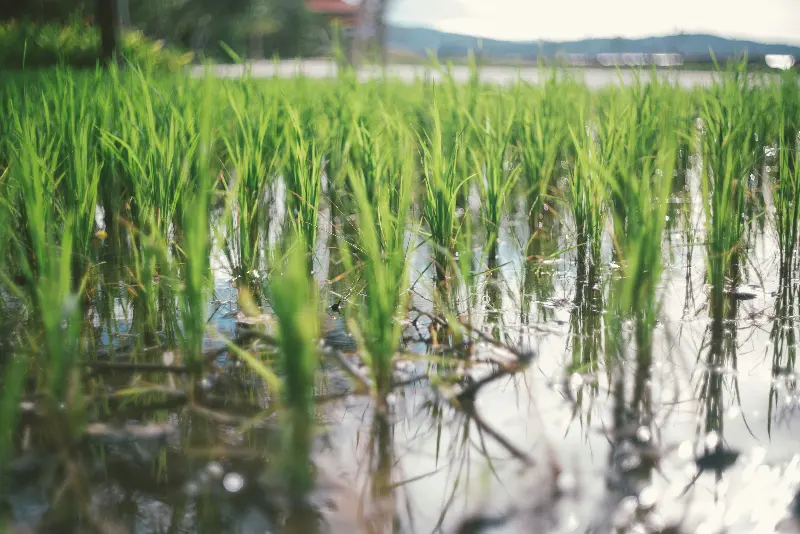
(252, 149)
(727, 159)
(381, 244)
(303, 179)
(540, 138)
(496, 171)
(787, 190)
(442, 183)
(293, 297)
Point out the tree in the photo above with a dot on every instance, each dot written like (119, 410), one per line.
(108, 23)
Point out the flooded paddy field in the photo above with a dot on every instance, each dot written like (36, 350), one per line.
(380, 306)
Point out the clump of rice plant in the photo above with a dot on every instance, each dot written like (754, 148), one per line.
(252, 156)
(787, 189)
(727, 159)
(156, 159)
(540, 134)
(587, 197)
(295, 303)
(381, 245)
(196, 249)
(496, 172)
(442, 182)
(303, 174)
(45, 258)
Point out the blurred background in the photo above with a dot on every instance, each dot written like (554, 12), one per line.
(574, 32)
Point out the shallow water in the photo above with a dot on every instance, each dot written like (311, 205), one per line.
(569, 444)
(318, 68)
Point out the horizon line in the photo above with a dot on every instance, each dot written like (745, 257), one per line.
(423, 26)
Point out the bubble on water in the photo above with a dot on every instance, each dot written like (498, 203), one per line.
(215, 469)
(643, 434)
(666, 218)
(648, 497)
(625, 512)
(631, 462)
(712, 439)
(567, 482)
(734, 412)
(191, 489)
(575, 381)
(571, 523)
(655, 522)
(233, 482)
(767, 168)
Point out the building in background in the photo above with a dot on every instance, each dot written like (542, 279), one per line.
(335, 11)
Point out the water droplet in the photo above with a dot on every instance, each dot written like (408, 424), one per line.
(631, 462)
(648, 497)
(191, 489)
(575, 381)
(685, 450)
(625, 512)
(215, 469)
(233, 482)
(712, 439)
(567, 482)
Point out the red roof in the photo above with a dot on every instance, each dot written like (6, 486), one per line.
(332, 7)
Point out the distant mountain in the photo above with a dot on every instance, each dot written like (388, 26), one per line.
(421, 41)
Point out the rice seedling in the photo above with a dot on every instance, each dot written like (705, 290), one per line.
(252, 151)
(125, 195)
(442, 185)
(496, 172)
(727, 159)
(294, 301)
(587, 193)
(196, 249)
(540, 136)
(303, 179)
(787, 189)
(382, 247)
(155, 158)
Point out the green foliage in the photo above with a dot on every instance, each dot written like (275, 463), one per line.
(29, 45)
(295, 303)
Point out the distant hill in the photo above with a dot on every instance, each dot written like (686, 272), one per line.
(419, 41)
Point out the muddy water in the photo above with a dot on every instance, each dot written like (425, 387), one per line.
(703, 438)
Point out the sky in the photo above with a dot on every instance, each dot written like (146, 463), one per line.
(775, 21)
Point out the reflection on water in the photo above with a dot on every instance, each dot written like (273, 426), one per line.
(699, 433)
